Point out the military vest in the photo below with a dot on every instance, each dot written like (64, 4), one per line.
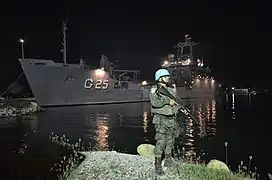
(160, 103)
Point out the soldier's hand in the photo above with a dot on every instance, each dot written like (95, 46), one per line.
(173, 103)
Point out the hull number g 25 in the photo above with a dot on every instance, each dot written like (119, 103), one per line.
(97, 84)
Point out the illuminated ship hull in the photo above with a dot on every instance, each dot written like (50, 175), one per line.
(191, 83)
(59, 84)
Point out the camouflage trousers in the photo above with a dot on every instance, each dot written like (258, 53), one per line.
(166, 132)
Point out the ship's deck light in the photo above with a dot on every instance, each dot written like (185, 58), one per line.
(186, 62)
(100, 72)
(144, 83)
(200, 64)
(165, 63)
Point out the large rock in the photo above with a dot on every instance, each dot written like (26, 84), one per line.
(218, 165)
(105, 165)
(146, 150)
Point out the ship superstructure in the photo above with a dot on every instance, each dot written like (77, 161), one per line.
(189, 74)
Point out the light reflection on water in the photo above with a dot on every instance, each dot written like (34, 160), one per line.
(145, 125)
(107, 125)
(145, 120)
(102, 131)
(205, 127)
(123, 125)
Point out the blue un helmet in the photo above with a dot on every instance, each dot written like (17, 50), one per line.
(160, 73)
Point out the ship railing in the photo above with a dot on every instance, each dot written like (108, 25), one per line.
(125, 84)
(125, 72)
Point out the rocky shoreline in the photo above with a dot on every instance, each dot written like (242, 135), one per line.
(15, 107)
(104, 165)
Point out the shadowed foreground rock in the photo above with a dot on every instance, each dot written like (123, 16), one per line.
(112, 165)
(17, 107)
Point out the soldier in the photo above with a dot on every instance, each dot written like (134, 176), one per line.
(164, 120)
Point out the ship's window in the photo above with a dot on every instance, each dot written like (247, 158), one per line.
(69, 78)
(39, 64)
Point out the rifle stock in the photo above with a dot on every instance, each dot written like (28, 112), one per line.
(165, 92)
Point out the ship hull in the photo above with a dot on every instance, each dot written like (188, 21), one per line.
(56, 84)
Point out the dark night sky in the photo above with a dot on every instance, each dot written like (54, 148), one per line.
(140, 34)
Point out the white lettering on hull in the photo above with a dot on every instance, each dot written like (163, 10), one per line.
(98, 84)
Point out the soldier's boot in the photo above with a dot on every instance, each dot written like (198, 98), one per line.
(168, 160)
(158, 167)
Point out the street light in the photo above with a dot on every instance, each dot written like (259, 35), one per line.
(22, 48)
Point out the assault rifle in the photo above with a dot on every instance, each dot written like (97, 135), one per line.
(180, 106)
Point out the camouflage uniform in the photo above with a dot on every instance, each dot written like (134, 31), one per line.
(164, 121)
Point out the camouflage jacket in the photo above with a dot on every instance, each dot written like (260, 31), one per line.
(160, 104)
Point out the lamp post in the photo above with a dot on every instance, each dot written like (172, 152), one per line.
(22, 48)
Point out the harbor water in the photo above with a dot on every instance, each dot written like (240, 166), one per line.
(242, 122)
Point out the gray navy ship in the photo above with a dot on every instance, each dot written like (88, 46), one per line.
(62, 84)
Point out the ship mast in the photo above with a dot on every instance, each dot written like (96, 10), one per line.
(181, 45)
(64, 28)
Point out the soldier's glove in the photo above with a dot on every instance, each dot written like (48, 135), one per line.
(172, 102)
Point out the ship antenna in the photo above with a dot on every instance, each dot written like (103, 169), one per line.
(64, 28)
